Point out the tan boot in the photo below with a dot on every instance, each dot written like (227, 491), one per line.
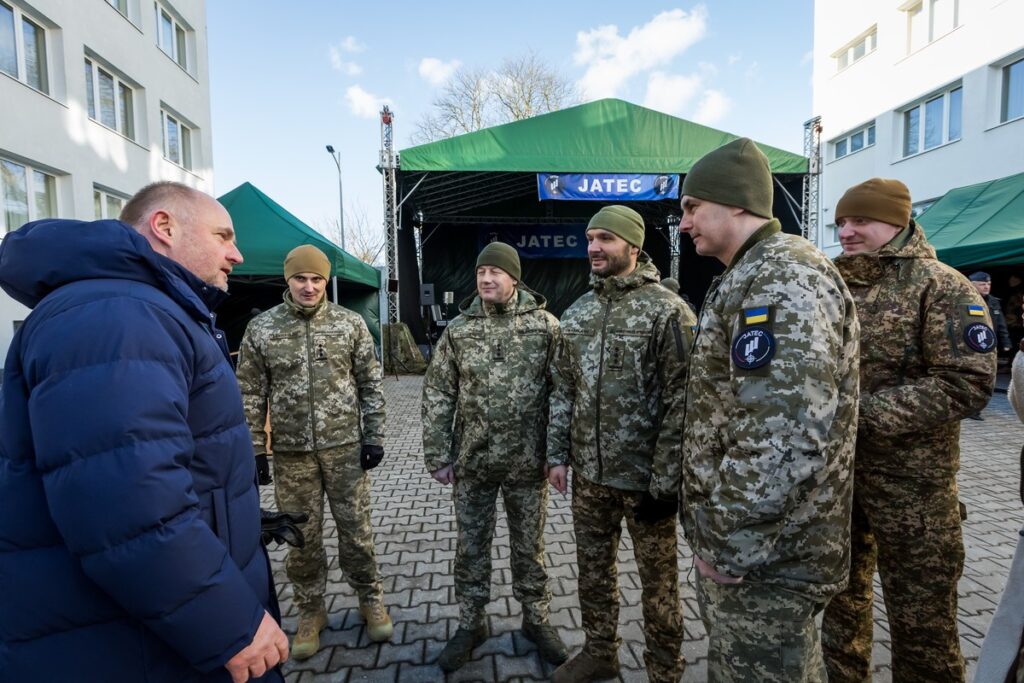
(378, 623)
(307, 637)
(584, 668)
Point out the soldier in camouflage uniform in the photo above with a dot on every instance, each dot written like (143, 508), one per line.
(485, 405)
(927, 361)
(769, 427)
(619, 375)
(313, 362)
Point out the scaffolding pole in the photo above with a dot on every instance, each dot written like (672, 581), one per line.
(811, 208)
(388, 167)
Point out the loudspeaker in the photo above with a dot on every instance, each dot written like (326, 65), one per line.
(393, 286)
(427, 294)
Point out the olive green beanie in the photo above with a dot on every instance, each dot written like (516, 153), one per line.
(502, 256)
(880, 199)
(735, 174)
(622, 221)
(306, 259)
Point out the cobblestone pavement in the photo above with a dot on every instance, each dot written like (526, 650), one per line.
(415, 539)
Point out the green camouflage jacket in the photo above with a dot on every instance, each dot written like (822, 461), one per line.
(619, 375)
(771, 417)
(921, 370)
(319, 371)
(485, 394)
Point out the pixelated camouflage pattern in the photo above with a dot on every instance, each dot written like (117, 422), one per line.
(768, 453)
(318, 368)
(485, 394)
(918, 377)
(911, 525)
(619, 377)
(475, 514)
(300, 481)
(597, 515)
(759, 632)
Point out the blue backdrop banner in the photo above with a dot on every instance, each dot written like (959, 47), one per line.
(538, 241)
(633, 187)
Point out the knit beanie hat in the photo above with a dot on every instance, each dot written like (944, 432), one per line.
(881, 199)
(735, 174)
(622, 221)
(671, 284)
(306, 259)
(502, 256)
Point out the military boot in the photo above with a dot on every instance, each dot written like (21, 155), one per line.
(584, 668)
(307, 637)
(378, 623)
(459, 649)
(547, 640)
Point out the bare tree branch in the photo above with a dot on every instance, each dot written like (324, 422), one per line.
(361, 240)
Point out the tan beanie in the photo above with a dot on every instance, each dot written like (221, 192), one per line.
(306, 259)
(880, 199)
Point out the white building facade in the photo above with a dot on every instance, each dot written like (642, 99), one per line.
(927, 91)
(100, 97)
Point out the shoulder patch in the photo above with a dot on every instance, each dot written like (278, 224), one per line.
(753, 347)
(753, 316)
(980, 338)
(975, 310)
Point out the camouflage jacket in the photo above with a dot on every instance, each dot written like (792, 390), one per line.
(919, 373)
(485, 394)
(619, 375)
(319, 371)
(771, 417)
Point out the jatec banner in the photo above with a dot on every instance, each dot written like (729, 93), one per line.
(538, 241)
(632, 187)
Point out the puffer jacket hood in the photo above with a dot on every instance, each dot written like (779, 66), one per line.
(617, 285)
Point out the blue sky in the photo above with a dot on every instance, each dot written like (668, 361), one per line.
(284, 83)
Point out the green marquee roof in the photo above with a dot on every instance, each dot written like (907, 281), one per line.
(979, 224)
(267, 232)
(606, 136)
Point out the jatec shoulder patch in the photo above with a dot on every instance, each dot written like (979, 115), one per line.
(980, 338)
(753, 348)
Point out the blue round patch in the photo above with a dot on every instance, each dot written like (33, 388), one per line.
(980, 338)
(753, 348)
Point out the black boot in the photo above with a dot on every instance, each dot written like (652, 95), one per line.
(547, 640)
(459, 649)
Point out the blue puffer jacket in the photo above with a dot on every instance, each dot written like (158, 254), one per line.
(129, 518)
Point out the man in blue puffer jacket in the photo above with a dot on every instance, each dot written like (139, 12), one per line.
(129, 517)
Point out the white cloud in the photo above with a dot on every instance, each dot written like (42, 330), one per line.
(364, 104)
(611, 59)
(670, 93)
(339, 64)
(350, 44)
(735, 57)
(713, 107)
(436, 72)
(752, 71)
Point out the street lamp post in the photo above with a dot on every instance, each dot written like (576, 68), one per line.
(341, 204)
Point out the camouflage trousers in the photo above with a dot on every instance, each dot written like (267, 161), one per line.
(760, 632)
(475, 512)
(910, 527)
(597, 514)
(300, 481)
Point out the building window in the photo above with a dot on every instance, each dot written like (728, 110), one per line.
(172, 37)
(120, 5)
(107, 204)
(1013, 91)
(23, 48)
(856, 50)
(929, 20)
(854, 142)
(933, 122)
(109, 100)
(177, 140)
(25, 195)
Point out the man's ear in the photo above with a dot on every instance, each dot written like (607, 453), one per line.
(162, 227)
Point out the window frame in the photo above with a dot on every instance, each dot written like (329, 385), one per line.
(179, 38)
(185, 132)
(92, 100)
(870, 137)
(101, 199)
(1004, 87)
(20, 18)
(32, 212)
(921, 107)
(926, 24)
(846, 56)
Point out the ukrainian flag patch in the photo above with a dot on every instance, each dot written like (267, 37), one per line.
(753, 316)
(974, 309)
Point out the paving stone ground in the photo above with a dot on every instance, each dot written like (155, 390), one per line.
(415, 541)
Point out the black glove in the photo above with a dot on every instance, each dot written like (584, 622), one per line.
(263, 470)
(283, 527)
(651, 510)
(370, 456)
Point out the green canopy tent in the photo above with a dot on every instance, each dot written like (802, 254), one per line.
(979, 225)
(454, 190)
(266, 232)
